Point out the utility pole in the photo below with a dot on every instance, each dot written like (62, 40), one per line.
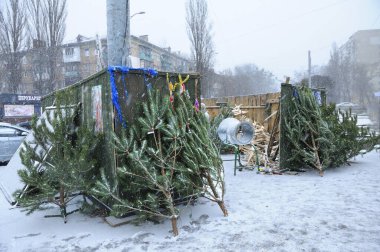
(309, 54)
(118, 32)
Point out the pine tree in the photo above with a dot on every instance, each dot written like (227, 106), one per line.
(59, 163)
(349, 139)
(311, 140)
(202, 154)
(166, 157)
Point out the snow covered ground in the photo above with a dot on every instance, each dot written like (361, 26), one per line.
(337, 212)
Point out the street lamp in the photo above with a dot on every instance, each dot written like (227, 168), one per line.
(129, 61)
(137, 13)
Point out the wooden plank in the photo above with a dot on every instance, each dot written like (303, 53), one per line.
(273, 134)
(252, 107)
(273, 100)
(269, 117)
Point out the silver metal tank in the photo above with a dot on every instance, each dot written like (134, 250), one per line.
(233, 131)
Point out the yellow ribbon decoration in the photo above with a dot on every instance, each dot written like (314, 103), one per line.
(181, 83)
(170, 84)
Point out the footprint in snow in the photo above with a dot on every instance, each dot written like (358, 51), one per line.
(26, 236)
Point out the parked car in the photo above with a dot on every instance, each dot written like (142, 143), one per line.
(26, 125)
(11, 136)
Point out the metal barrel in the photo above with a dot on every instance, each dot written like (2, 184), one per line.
(233, 131)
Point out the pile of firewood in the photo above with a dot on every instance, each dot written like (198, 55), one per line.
(256, 154)
(260, 146)
(238, 113)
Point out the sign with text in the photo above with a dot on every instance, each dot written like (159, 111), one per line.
(28, 98)
(18, 110)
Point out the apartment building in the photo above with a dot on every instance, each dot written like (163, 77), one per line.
(364, 48)
(78, 59)
(85, 56)
(38, 72)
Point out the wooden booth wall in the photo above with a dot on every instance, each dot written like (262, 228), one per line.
(261, 108)
(82, 92)
(135, 83)
(132, 90)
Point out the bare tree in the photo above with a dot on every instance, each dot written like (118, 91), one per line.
(253, 80)
(37, 21)
(55, 11)
(199, 32)
(37, 44)
(361, 84)
(47, 25)
(247, 79)
(12, 38)
(350, 79)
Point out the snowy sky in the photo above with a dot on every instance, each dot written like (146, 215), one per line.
(274, 34)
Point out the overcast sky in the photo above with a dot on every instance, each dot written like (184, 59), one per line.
(274, 34)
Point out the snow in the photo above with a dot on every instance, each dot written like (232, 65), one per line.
(337, 212)
(9, 179)
(364, 120)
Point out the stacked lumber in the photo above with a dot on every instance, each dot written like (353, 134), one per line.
(238, 113)
(259, 145)
(260, 142)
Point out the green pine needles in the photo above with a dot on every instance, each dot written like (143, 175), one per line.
(349, 139)
(307, 132)
(320, 136)
(165, 158)
(59, 161)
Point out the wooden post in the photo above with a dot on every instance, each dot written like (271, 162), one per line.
(273, 133)
(286, 96)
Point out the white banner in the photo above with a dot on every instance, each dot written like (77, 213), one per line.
(18, 110)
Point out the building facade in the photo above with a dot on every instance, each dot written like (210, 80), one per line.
(364, 49)
(86, 56)
(40, 71)
(77, 60)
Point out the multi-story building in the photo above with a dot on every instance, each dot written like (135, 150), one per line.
(145, 54)
(39, 70)
(364, 48)
(83, 57)
(86, 56)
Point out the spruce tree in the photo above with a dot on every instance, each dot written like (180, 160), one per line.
(311, 140)
(165, 158)
(349, 139)
(59, 162)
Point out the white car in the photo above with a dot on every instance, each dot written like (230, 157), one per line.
(11, 136)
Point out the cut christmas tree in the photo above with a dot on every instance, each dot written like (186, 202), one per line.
(59, 162)
(310, 139)
(167, 157)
